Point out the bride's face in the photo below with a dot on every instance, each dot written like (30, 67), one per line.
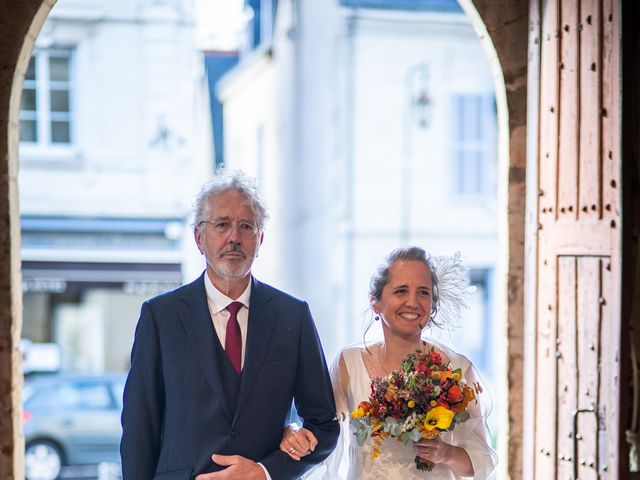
(405, 304)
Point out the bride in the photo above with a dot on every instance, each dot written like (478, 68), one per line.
(408, 292)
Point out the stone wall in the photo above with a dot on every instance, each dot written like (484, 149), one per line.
(507, 24)
(19, 25)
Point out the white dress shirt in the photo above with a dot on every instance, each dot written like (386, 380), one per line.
(218, 303)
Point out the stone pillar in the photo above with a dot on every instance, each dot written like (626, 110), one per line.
(507, 24)
(20, 22)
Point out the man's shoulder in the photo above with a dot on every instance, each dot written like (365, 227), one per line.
(265, 289)
(183, 291)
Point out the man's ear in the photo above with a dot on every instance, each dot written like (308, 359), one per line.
(199, 237)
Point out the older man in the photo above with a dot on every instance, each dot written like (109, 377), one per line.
(216, 364)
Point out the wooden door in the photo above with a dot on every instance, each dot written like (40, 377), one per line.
(578, 334)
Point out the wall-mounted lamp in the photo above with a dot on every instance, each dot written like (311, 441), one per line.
(421, 102)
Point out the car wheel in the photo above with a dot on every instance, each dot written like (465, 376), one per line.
(42, 461)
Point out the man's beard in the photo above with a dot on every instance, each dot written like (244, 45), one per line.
(233, 268)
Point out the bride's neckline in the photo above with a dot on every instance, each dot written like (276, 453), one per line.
(370, 356)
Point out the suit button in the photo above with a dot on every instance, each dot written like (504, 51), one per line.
(234, 434)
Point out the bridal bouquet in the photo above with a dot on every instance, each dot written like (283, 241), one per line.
(424, 397)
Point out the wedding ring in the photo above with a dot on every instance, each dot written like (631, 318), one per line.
(292, 450)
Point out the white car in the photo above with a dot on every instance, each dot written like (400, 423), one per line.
(71, 421)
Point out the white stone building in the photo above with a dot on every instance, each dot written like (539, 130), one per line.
(370, 125)
(115, 139)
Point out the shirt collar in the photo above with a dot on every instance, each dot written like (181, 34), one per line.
(220, 300)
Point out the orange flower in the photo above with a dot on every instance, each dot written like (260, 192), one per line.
(375, 453)
(364, 409)
(391, 393)
(468, 396)
(455, 394)
(429, 434)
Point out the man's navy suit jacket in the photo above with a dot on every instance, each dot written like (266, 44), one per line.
(176, 414)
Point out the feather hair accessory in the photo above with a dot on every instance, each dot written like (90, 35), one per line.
(453, 290)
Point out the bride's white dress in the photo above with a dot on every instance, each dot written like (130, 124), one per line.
(396, 461)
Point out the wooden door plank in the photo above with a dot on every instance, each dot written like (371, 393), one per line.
(580, 238)
(569, 112)
(611, 153)
(588, 354)
(609, 381)
(545, 438)
(612, 383)
(590, 170)
(545, 402)
(548, 151)
(567, 364)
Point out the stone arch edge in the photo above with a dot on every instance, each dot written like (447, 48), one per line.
(20, 23)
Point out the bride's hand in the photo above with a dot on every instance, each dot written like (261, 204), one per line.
(297, 442)
(434, 450)
(437, 451)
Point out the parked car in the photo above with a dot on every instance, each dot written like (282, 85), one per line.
(71, 420)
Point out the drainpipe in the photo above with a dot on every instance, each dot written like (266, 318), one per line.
(349, 171)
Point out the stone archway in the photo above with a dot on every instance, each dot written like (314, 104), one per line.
(506, 24)
(20, 23)
(507, 27)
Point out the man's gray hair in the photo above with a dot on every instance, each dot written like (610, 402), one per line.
(223, 182)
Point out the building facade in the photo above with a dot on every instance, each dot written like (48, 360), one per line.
(115, 137)
(370, 125)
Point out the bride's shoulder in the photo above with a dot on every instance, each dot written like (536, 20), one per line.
(350, 351)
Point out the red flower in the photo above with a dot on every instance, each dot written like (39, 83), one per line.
(435, 357)
(455, 394)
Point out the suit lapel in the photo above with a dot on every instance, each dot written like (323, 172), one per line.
(196, 320)
(262, 316)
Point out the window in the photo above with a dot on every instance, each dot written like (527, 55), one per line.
(474, 130)
(266, 20)
(73, 395)
(45, 107)
(259, 28)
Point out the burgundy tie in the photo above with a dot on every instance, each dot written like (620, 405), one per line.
(233, 340)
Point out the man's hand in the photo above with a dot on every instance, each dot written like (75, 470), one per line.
(238, 467)
(297, 442)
